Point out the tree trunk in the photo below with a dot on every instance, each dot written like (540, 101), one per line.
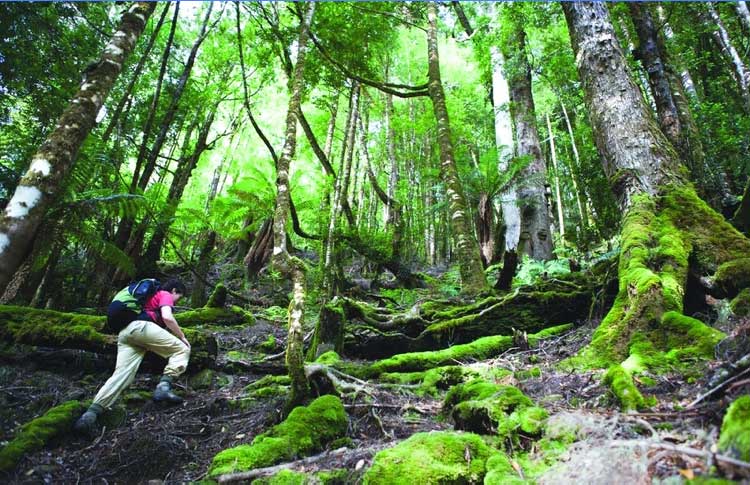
(720, 34)
(584, 213)
(467, 249)
(536, 240)
(127, 94)
(182, 174)
(42, 183)
(744, 15)
(331, 271)
(292, 268)
(198, 295)
(558, 196)
(667, 230)
(169, 115)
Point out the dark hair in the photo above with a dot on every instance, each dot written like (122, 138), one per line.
(174, 284)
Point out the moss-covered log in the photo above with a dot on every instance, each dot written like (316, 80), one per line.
(48, 328)
(35, 434)
(372, 332)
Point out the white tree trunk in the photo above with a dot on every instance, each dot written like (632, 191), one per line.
(504, 143)
(721, 36)
(560, 220)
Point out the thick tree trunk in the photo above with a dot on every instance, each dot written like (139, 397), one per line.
(467, 249)
(198, 296)
(259, 253)
(282, 260)
(41, 184)
(667, 230)
(536, 240)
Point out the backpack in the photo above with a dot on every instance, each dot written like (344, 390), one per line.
(142, 290)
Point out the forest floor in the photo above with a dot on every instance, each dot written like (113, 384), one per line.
(143, 441)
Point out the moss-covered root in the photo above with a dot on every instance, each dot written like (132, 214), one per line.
(207, 315)
(35, 434)
(305, 430)
(621, 384)
(663, 238)
(734, 439)
(483, 348)
(437, 457)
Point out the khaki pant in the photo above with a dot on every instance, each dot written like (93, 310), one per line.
(132, 344)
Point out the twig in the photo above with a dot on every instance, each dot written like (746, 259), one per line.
(700, 453)
(717, 388)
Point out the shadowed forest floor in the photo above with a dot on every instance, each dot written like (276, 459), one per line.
(143, 441)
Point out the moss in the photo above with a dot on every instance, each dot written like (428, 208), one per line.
(661, 239)
(621, 383)
(485, 407)
(284, 477)
(328, 358)
(233, 315)
(734, 439)
(236, 356)
(269, 345)
(481, 349)
(218, 297)
(740, 305)
(533, 373)
(437, 457)
(733, 276)
(305, 430)
(202, 380)
(35, 434)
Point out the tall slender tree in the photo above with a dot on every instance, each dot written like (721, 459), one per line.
(467, 248)
(20, 221)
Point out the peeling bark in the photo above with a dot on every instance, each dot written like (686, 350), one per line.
(41, 184)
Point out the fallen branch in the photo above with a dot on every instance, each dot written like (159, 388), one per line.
(717, 388)
(700, 453)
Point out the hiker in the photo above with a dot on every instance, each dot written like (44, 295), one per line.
(139, 333)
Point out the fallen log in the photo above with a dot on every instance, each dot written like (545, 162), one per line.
(59, 330)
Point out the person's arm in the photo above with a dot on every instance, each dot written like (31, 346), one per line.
(172, 325)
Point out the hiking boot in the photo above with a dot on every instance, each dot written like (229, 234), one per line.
(87, 422)
(163, 392)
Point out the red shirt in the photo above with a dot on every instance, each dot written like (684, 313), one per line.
(153, 305)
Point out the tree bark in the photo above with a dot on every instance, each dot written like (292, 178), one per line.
(467, 249)
(42, 183)
(744, 14)
(558, 196)
(667, 231)
(720, 34)
(114, 119)
(536, 240)
(291, 267)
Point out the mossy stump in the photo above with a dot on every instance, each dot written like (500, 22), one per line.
(734, 439)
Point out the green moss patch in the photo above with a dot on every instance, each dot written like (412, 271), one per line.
(734, 439)
(488, 408)
(621, 383)
(740, 305)
(305, 430)
(481, 349)
(35, 434)
(328, 358)
(437, 457)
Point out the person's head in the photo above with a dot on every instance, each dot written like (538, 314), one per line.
(176, 287)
